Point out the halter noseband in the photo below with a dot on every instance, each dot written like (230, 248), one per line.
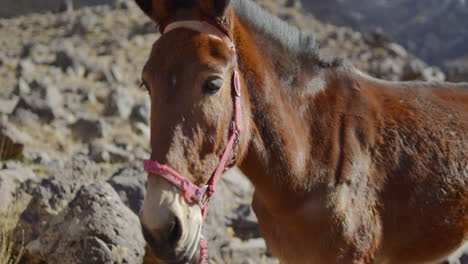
(192, 192)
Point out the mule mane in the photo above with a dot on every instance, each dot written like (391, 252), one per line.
(301, 44)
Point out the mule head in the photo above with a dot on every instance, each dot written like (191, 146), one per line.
(189, 79)
(163, 12)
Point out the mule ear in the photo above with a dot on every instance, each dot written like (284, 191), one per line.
(217, 9)
(146, 6)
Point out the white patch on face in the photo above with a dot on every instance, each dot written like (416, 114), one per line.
(162, 203)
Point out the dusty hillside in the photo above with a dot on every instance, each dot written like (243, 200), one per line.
(70, 104)
(435, 30)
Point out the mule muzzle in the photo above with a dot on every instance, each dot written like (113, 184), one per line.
(166, 247)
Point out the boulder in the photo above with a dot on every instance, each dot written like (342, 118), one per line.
(80, 222)
(244, 222)
(119, 103)
(104, 152)
(141, 113)
(10, 181)
(88, 129)
(252, 251)
(42, 108)
(8, 105)
(130, 183)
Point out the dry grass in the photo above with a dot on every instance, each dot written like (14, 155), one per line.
(8, 255)
(11, 247)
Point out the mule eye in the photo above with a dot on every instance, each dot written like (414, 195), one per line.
(212, 85)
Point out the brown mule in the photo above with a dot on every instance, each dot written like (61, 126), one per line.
(346, 168)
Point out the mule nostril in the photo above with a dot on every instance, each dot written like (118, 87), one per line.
(175, 231)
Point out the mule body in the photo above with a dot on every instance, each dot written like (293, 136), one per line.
(386, 182)
(346, 168)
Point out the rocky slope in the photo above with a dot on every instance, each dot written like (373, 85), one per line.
(74, 129)
(436, 30)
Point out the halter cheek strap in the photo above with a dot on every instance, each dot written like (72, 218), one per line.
(192, 192)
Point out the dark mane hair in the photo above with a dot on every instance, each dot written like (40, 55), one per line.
(302, 44)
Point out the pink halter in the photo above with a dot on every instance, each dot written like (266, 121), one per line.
(192, 192)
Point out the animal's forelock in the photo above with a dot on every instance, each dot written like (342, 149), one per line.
(182, 4)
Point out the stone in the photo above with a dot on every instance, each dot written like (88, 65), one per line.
(141, 113)
(49, 93)
(238, 184)
(119, 103)
(130, 183)
(26, 68)
(108, 153)
(85, 23)
(10, 181)
(26, 118)
(93, 227)
(38, 106)
(38, 53)
(251, 251)
(215, 229)
(244, 222)
(78, 166)
(65, 58)
(412, 70)
(8, 105)
(88, 129)
(142, 129)
(397, 50)
(22, 87)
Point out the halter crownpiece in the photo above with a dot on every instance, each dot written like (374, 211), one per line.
(193, 193)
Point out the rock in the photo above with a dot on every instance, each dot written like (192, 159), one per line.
(238, 185)
(94, 227)
(130, 184)
(397, 50)
(85, 23)
(11, 141)
(251, 251)
(89, 129)
(49, 93)
(141, 113)
(10, 180)
(75, 62)
(292, 3)
(119, 103)
(26, 118)
(413, 70)
(38, 106)
(38, 53)
(79, 166)
(244, 222)
(142, 129)
(8, 105)
(22, 87)
(26, 68)
(214, 229)
(147, 28)
(65, 58)
(49, 198)
(103, 152)
(433, 74)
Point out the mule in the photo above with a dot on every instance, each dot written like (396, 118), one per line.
(346, 168)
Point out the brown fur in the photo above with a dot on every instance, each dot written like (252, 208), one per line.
(346, 168)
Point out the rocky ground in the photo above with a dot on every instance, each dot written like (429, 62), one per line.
(74, 130)
(435, 30)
